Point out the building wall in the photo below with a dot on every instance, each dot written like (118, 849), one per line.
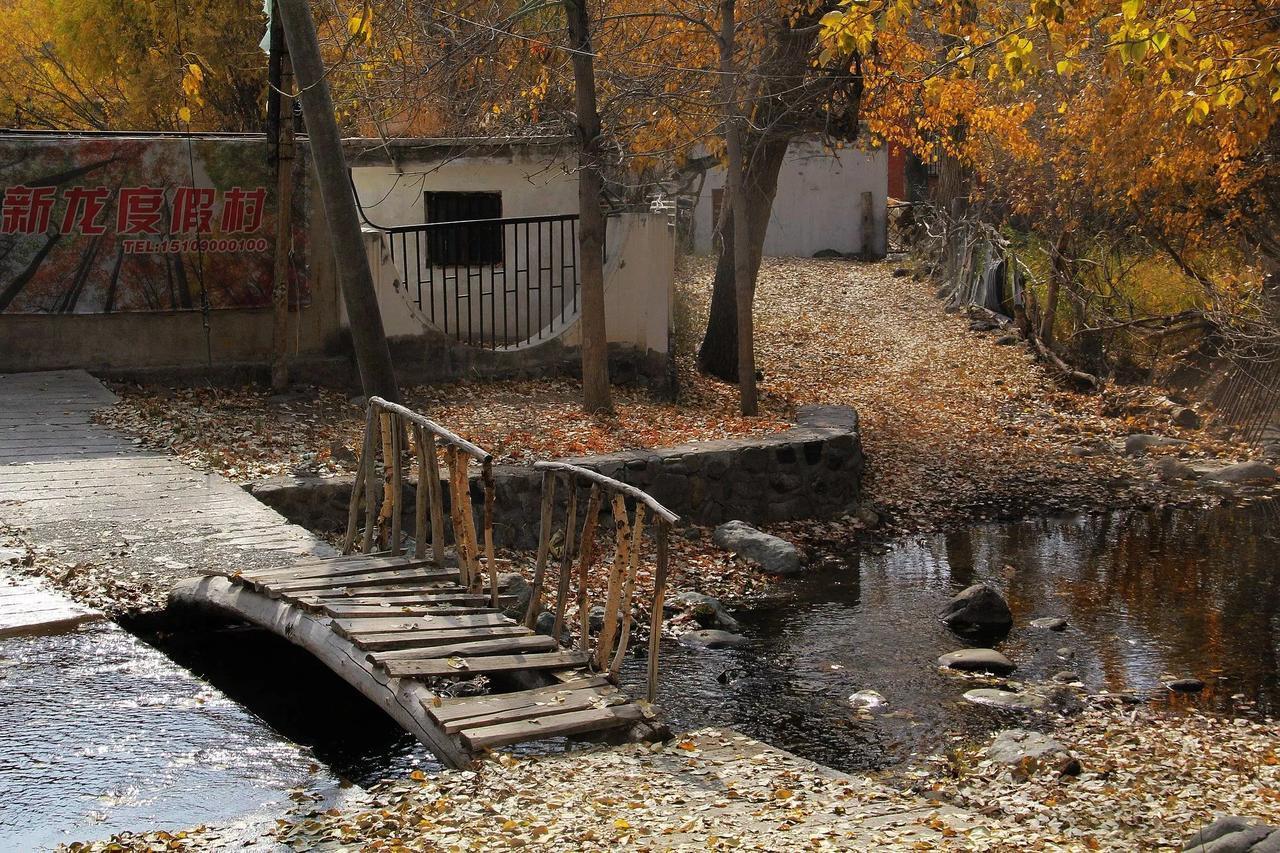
(818, 205)
(639, 284)
(511, 301)
(534, 177)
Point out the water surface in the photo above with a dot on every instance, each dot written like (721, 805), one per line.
(102, 733)
(1147, 594)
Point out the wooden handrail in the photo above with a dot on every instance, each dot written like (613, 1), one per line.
(478, 453)
(612, 485)
(611, 645)
(387, 426)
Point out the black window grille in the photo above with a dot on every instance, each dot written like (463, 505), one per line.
(468, 243)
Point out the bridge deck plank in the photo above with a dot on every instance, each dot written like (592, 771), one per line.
(564, 702)
(390, 577)
(470, 646)
(557, 725)
(389, 640)
(483, 664)
(384, 623)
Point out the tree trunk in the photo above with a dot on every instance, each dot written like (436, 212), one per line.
(1057, 272)
(743, 284)
(373, 358)
(718, 354)
(280, 134)
(596, 395)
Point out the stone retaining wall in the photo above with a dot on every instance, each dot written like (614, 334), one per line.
(813, 470)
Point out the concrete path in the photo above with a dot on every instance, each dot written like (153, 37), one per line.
(93, 495)
(29, 607)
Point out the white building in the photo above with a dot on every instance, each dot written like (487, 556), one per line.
(512, 285)
(819, 206)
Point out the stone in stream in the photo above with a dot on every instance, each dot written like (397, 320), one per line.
(1029, 751)
(513, 583)
(1185, 685)
(977, 660)
(1052, 623)
(595, 617)
(546, 623)
(1233, 834)
(1139, 444)
(1003, 699)
(712, 639)
(1244, 472)
(1067, 676)
(869, 699)
(981, 607)
(1172, 468)
(775, 556)
(706, 611)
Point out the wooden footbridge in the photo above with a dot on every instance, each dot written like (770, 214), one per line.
(424, 634)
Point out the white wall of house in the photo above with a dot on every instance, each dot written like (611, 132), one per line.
(515, 296)
(531, 184)
(528, 296)
(639, 285)
(818, 205)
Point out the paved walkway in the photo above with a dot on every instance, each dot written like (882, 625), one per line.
(93, 495)
(30, 607)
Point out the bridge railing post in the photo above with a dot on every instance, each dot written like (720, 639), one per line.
(388, 426)
(623, 587)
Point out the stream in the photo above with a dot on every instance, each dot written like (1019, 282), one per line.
(1147, 595)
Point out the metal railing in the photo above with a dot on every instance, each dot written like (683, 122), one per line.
(491, 283)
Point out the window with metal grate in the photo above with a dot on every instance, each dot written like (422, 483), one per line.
(469, 243)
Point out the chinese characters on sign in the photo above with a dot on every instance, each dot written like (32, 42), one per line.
(145, 212)
(94, 224)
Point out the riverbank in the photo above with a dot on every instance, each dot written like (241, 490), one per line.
(957, 427)
(1146, 780)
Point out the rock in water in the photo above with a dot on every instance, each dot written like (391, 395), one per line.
(1004, 699)
(1029, 751)
(1244, 472)
(712, 639)
(776, 556)
(867, 699)
(1185, 685)
(545, 623)
(1052, 623)
(707, 611)
(1140, 443)
(513, 583)
(978, 608)
(977, 660)
(1231, 834)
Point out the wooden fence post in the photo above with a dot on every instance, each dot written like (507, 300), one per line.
(586, 553)
(397, 484)
(358, 487)
(566, 558)
(604, 646)
(436, 499)
(628, 592)
(544, 548)
(655, 617)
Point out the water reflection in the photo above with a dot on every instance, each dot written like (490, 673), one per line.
(1147, 594)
